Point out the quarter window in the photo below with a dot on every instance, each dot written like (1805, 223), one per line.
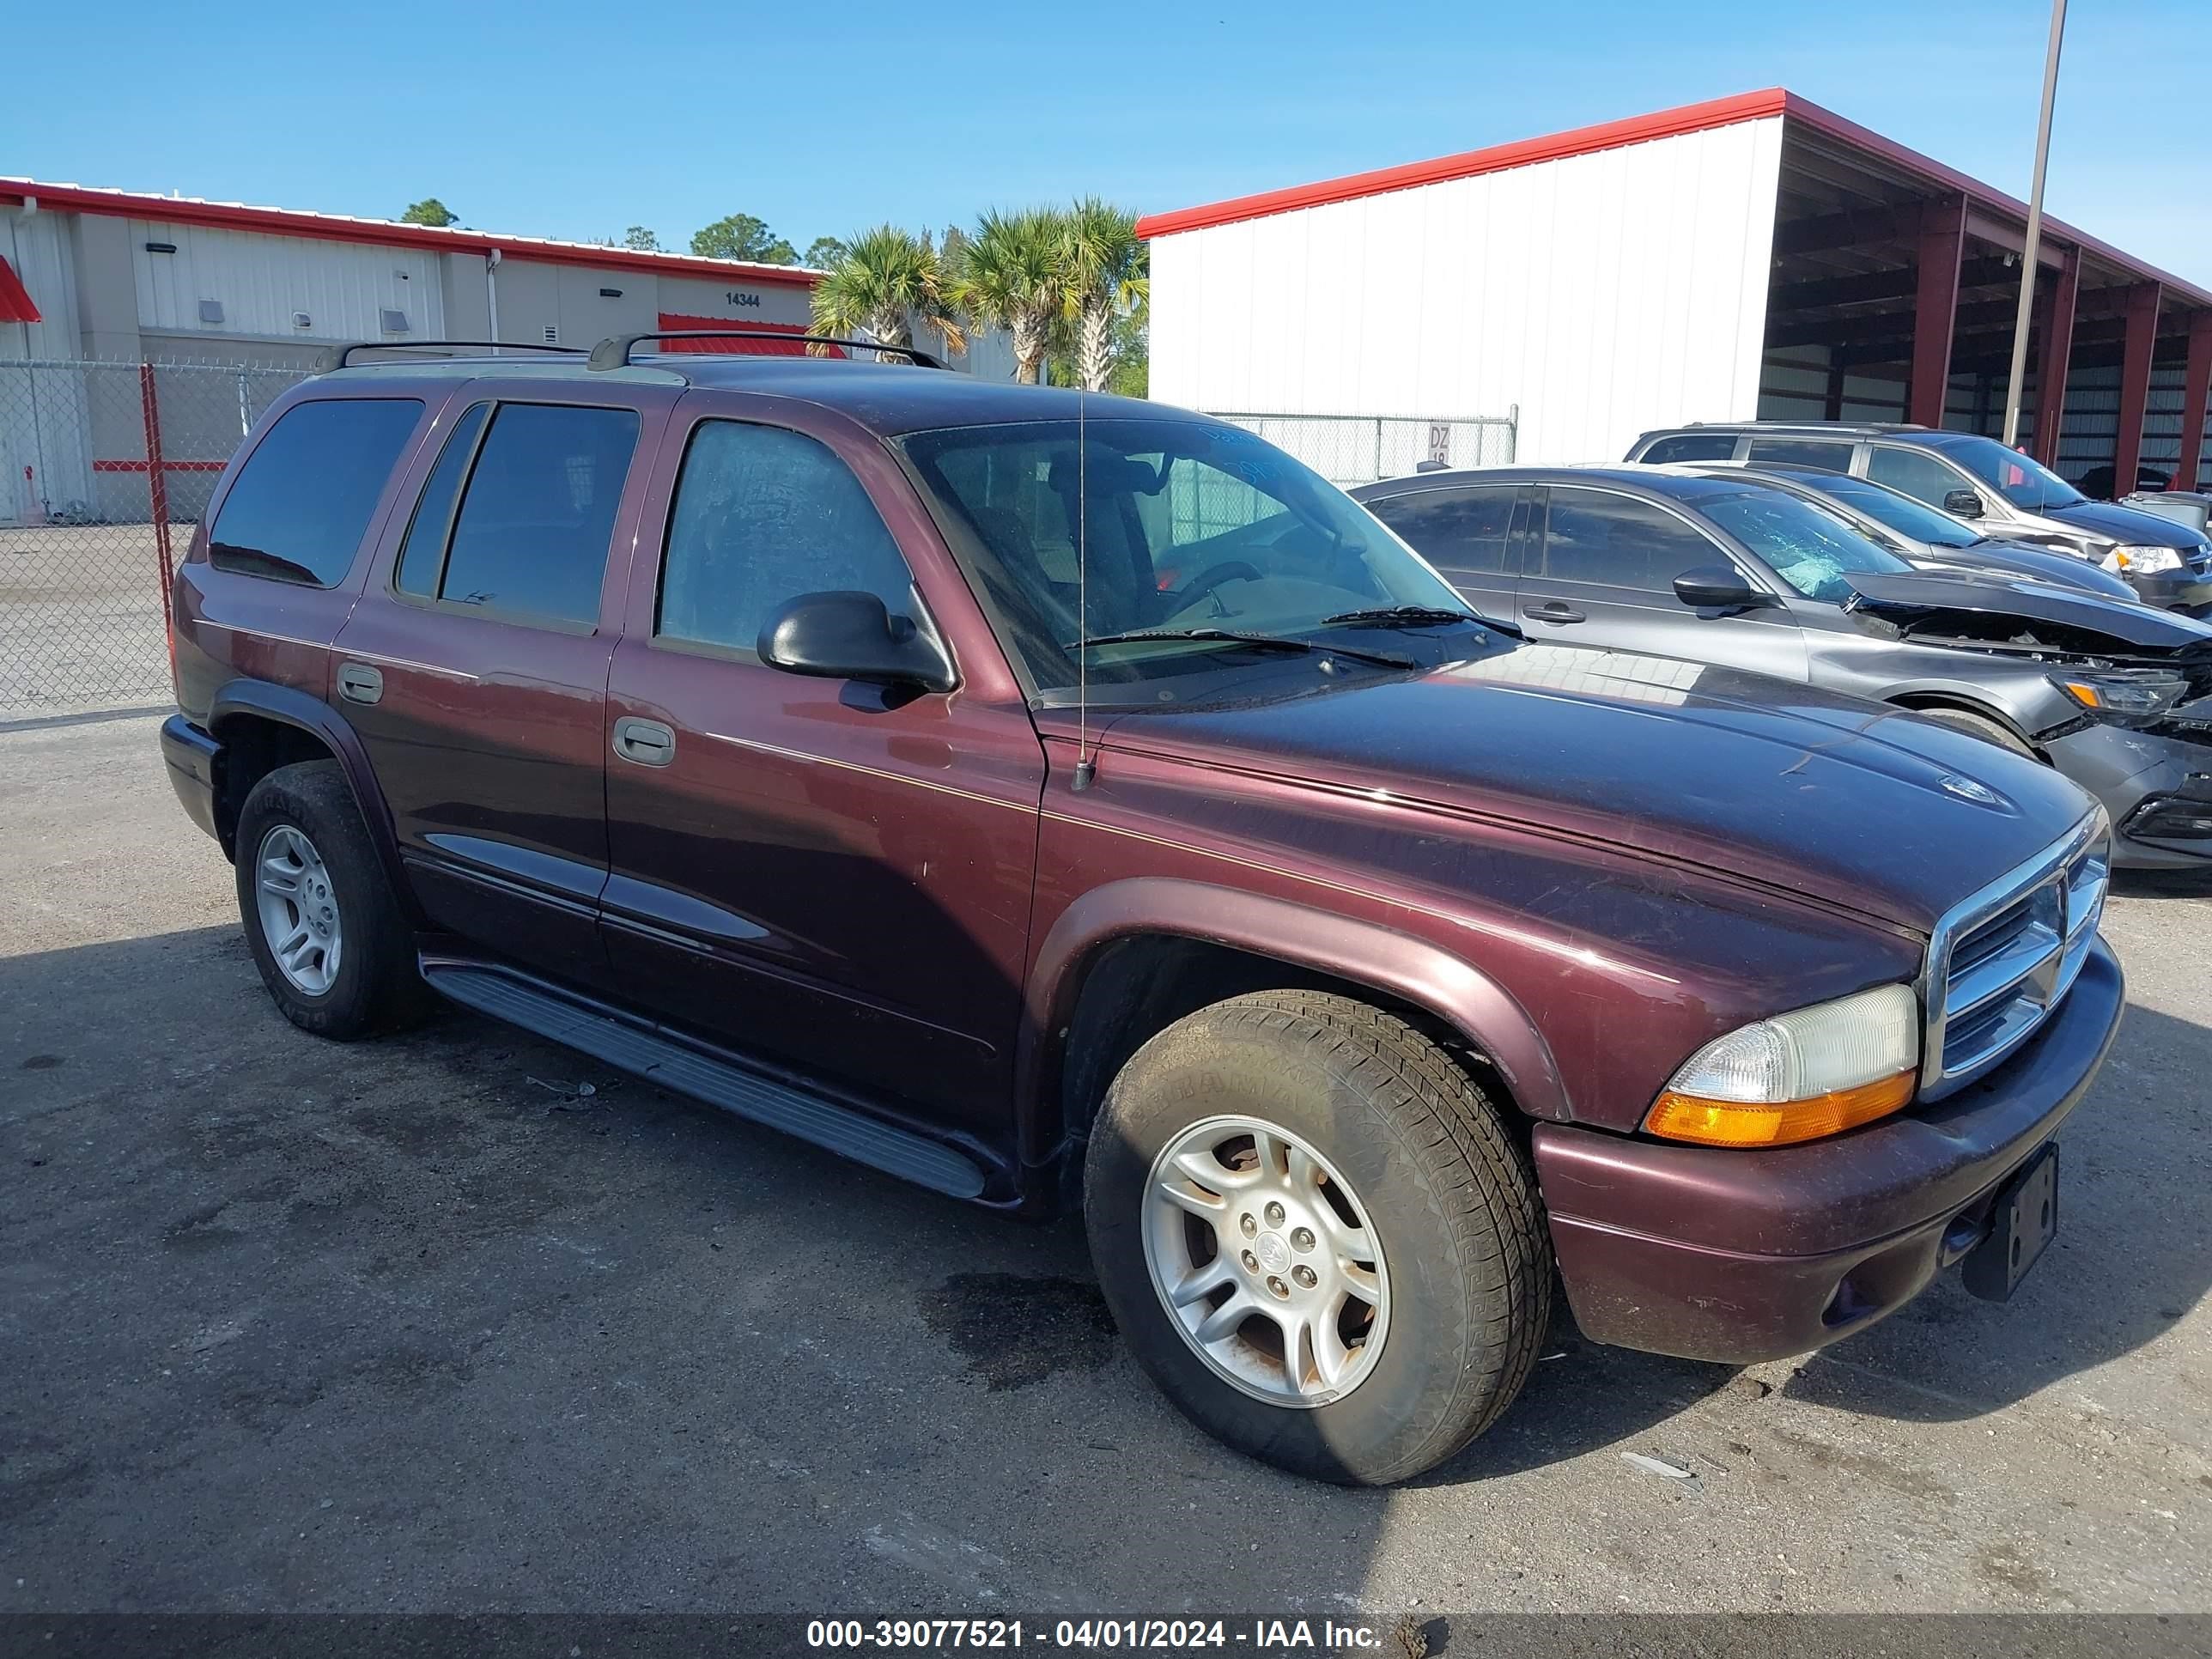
(1921, 477)
(762, 515)
(1455, 530)
(1591, 536)
(531, 535)
(1803, 452)
(1691, 447)
(301, 503)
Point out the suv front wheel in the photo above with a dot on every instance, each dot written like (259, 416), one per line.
(1317, 1236)
(320, 919)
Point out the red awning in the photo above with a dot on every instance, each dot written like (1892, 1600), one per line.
(15, 305)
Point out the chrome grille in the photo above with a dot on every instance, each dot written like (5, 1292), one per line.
(2000, 961)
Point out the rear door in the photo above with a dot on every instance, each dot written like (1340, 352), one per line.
(1466, 531)
(821, 871)
(1600, 569)
(475, 666)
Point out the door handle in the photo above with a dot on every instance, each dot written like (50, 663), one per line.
(1552, 611)
(359, 683)
(646, 742)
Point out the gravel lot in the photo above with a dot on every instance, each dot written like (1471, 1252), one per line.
(289, 1325)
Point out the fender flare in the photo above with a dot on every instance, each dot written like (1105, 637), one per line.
(1410, 969)
(289, 706)
(1966, 700)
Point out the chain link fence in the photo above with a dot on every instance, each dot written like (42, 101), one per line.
(1358, 449)
(108, 467)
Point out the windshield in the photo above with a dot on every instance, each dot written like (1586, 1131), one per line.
(1899, 512)
(2022, 482)
(1810, 549)
(1184, 526)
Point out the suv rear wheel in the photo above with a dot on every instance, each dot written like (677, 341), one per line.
(320, 919)
(1317, 1236)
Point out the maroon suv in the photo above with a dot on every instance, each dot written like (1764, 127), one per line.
(1066, 801)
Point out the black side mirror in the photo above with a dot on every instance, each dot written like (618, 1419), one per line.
(1965, 503)
(1719, 587)
(853, 637)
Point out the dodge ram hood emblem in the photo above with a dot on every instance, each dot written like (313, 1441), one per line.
(1966, 789)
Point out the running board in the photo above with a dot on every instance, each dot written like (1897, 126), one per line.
(644, 1052)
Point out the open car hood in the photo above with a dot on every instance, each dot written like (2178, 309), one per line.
(2049, 617)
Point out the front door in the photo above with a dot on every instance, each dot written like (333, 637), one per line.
(475, 669)
(1599, 569)
(815, 870)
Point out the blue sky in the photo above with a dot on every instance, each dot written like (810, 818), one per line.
(576, 121)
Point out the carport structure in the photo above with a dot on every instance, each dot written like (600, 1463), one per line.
(1898, 280)
(1755, 255)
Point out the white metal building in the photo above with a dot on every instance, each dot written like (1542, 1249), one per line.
(1755, 255)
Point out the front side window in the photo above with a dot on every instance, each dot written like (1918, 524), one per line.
(1691, 447)
(1803, 452)
(1618, 541)
(2021, 481)
(1164, 527)
(763, 514)
(1810, 549)
(531, 536)
(301, 503)
(1915, 474)
(1455, 530)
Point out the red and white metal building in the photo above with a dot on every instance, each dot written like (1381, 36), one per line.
(1751, 256)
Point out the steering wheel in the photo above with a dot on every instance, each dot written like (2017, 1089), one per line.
(1213, 576)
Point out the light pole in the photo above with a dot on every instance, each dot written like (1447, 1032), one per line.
(2027, 271)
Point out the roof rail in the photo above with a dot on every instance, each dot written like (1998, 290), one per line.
(613, 352)
(338, 356)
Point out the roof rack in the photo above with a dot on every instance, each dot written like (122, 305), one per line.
(613, 352)
(338, 356)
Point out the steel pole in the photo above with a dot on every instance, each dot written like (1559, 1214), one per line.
(2034, 240)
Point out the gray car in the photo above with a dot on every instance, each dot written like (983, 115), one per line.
(1732, 569)
(2000, 491)
(1928, 539)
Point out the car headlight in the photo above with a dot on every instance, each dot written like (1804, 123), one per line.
(2142, 560)
(2135, 695)
(1798, 1076)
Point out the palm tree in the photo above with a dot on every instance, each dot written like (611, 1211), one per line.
(1109, 276)
(1013, 275)
(886, 278)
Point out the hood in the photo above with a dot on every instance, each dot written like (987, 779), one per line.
(1855, 803)
(2125, 524)
(2059, 618)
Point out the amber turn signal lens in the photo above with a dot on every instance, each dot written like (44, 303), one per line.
(1732, 1123)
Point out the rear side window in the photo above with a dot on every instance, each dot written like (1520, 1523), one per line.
(1921, 477)
(1462, 530)
(1691, 447)
(1593, 536)
(762, 515)
(301, 504)
(1803, 452)
(532, 534)
(424, 550)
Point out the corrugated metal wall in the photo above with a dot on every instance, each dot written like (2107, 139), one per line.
(1602, 294)
(262, 282)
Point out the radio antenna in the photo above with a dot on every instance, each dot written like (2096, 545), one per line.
(1086, 767)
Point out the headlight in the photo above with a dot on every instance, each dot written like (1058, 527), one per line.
(2137, 695)
(1798, 1076)
(2142, 560)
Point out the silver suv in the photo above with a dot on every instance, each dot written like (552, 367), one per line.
(2000, 491)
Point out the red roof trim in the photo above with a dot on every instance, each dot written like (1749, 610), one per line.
(15, 304)
(383, 232)
(1469, 164)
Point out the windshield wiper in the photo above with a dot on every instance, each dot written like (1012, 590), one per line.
(1416, 616)
(1264, 641)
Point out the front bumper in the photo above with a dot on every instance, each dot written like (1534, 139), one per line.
(1742, 1256)
(193, 757)
(2153, 782)
(2185, 590)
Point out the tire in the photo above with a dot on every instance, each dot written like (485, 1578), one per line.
(359, 976)
(1980, 725)
(1417, 1151)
